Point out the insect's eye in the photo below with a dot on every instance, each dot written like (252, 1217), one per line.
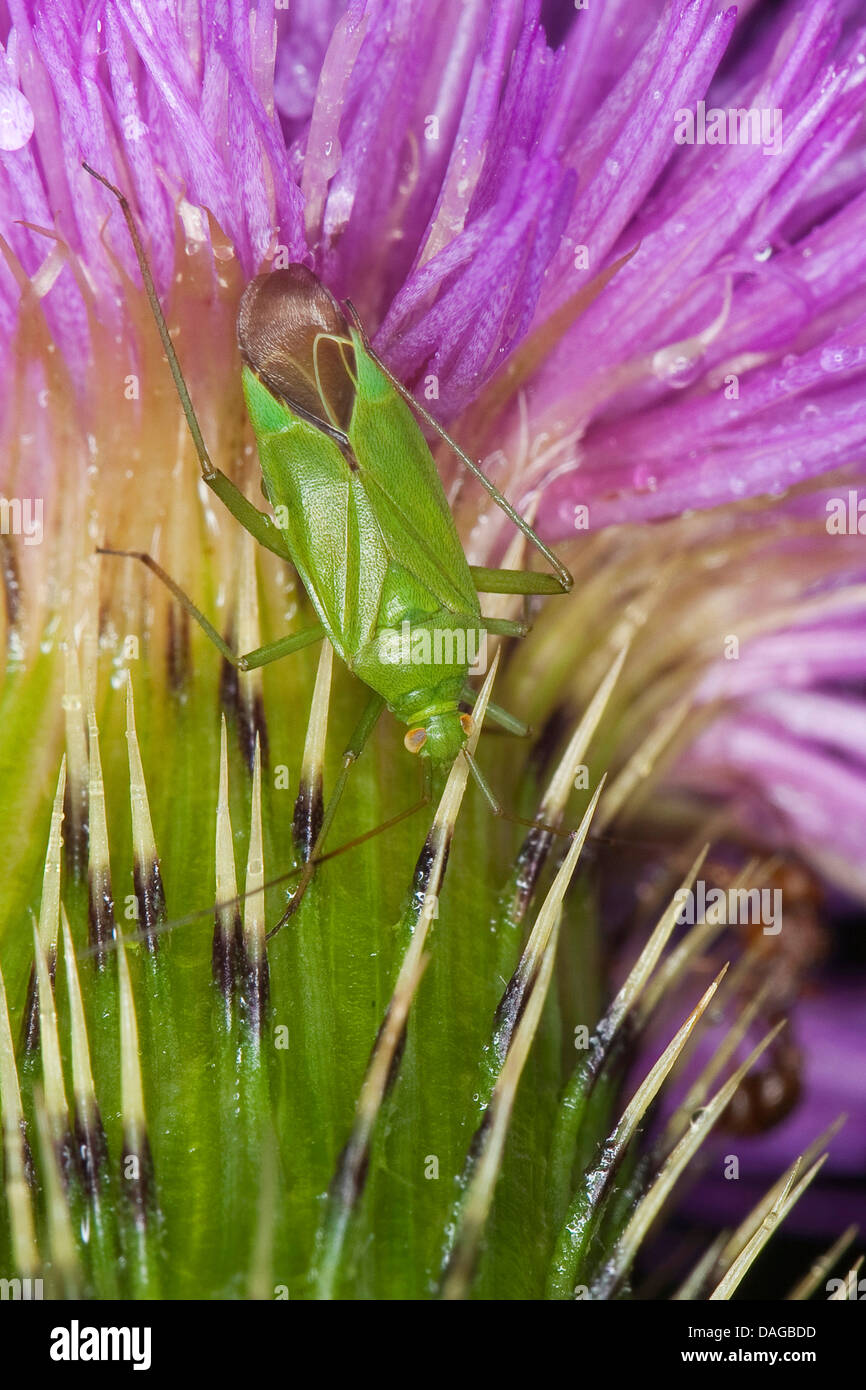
(294, 335)
(415, 740)
(468, 724)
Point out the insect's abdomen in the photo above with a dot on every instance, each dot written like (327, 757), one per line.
(414, 645)
(417, 658)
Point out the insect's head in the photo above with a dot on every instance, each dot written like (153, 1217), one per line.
(441, 737)
(293, 334)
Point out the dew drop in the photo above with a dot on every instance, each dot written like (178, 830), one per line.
(16, 118)
(810, 411)
(644, 480)
(677, 368)
(332, 153)
(836, 359)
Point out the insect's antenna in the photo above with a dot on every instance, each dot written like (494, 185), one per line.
(498, 809)
(207, 467)
(422, 801)
(564, 576)
(202, 913)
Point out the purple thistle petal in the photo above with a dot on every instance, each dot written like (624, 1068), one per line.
(185, 104)
(819, 802)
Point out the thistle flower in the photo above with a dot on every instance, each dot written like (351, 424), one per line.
(654, 346)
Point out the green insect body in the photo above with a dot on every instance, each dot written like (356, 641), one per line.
(371, 535)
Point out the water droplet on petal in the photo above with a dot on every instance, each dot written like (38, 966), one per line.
(16, 118)
(836, 359)
(644, 480)
(677, 367)
(810, 411)
(332, 153)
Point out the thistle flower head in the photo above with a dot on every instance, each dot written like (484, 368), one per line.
(618, 253)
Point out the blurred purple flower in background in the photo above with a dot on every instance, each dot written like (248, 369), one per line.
(466, 182)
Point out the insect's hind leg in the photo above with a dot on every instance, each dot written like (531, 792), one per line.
(248, 661)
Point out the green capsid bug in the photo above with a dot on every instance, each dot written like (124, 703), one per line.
(360, 512)
(359, 501)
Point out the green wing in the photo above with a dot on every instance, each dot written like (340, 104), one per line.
(335, 547)
(361, 536)
(405, 492)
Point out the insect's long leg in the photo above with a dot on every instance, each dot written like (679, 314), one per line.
(156, 309)
(499, 810)
(261, 526)
(497, 581)
(357, 743)
(505, 627)
(525, 582)
(565, 579)
(260, 656)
